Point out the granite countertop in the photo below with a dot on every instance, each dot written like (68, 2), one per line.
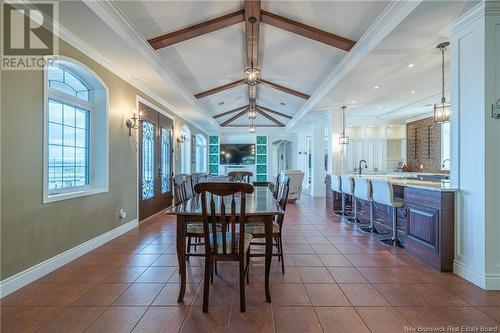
(399, 179)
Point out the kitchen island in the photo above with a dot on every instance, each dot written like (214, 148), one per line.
(425, 223)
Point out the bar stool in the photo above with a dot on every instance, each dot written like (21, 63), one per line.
(347, 188)
(336, 186)
(363, 191)
(383, 193)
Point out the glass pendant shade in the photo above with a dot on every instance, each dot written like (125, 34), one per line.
(251, 114)
(252, 76)
(442, 112)
(251, 129)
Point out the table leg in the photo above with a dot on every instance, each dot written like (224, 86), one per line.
(268, 226)
(181, 256)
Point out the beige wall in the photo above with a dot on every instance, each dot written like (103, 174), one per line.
(32, 232)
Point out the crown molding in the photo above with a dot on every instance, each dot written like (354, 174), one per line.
(484, 8)
(387, 21)
(109, 13)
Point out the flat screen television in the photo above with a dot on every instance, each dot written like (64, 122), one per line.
(237, 154)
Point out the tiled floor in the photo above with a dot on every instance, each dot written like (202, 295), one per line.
(337, 280)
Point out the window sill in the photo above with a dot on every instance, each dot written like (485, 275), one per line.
(72, 195)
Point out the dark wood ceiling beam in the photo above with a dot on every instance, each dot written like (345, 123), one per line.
(274, 112)
(230, 111)
(253, 125)
(285, 89)
(274, 120)
(306, 31)
(219, 89)
(197, 30)
(252, 10)
(233, 118)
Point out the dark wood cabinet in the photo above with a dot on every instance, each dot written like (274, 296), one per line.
(430, 227)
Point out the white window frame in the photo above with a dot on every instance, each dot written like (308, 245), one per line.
(94, 186)
(203, 150)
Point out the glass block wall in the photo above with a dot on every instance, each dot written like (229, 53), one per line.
(213, 155)
(261, 150)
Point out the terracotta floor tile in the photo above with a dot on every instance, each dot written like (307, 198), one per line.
(47, 294)
(219, 294)
(72, 319)
(315, 275)
(446, 316)
(297, 248)
(154, 249)
(117, 320)
(383, 319)
(101, 294)
(326, 295)
(166, 260)
(334, 260)
(363, 295)
(319, 240)
(389, 275)
(475, 295)
(325, 249)
(340, 320)
(161, 319)
(346, 275)
(216, 320)
(371, 260)
(142, 259)
(289, 295)
(419, 295)
(170, 292)
(124, 274)
(193, 275)
(254, 319)
(306, 260)
(27, 319)
(157, 274)
(492, 311)
(255, 295)
(295, 320)
(139, 294)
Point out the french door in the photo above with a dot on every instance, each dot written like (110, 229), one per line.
(155, 162)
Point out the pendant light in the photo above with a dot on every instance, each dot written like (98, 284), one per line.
(252, 128)
(252, 114)
(251, 73)
(442, 111)
(343, 139)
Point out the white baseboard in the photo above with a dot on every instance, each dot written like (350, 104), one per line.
(33, 273)
(484, 281)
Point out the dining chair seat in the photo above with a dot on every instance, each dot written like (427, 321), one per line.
(229, 236)
(259, 229)
(195, 228)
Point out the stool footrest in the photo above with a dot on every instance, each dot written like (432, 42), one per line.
(373, 230)
(391, 241)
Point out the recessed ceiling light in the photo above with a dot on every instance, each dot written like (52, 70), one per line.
(376, 87)
(411, 65)
(380, 107)
(221, 103)
(413, 92)
(353, 101)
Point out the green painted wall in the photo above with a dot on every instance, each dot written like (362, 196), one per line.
(32, 232)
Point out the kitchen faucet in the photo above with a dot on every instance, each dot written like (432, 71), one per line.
(359, 166)
(444, 161)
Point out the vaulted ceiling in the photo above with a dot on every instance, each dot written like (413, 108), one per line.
(207, 45)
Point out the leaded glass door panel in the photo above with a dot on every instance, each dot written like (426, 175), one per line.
(155, 162)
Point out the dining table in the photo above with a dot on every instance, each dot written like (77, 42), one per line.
(261, 207)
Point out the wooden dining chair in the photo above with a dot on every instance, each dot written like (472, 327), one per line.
(240, 176)
(276, 187)
(224, 232)
(257, 230)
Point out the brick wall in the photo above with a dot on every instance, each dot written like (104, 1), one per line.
(423, 145)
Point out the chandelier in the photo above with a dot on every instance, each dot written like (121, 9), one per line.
(251, 74)
(442, 111)
(252, 114)
(343, 139)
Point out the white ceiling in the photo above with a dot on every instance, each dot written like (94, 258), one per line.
(175, 73)
(218, 58)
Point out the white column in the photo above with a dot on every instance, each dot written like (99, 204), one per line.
(318, 160)
(475, 154)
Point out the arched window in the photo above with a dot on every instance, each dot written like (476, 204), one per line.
(75, 136)
(186, 150)
(201, 153)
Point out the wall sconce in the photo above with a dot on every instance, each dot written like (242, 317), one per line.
(181, 139)
(133, 122)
